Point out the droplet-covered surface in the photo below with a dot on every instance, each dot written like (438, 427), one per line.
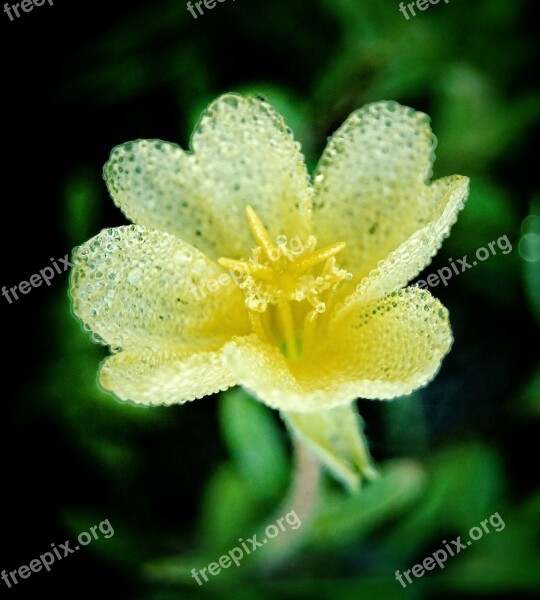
(243, 153)
(396, 342)
(370, 184)
(146, 292)
(165, 377)
(134, 287)
(383, 349)
(408, 260)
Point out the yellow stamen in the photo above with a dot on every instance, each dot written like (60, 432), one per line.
(272, 284)
(248, 268)
(317, 257)
(259, 231)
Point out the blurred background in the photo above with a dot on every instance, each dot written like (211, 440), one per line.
(180, 485)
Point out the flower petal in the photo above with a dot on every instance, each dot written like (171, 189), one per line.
(243, 153)
(164, 377)
(264, 372)
(391, 346)
(380, 350)
(336, 438)
(134, 286)
(447, 195)
(370, 184)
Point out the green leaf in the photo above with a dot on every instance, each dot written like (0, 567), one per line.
(529, 250)
(465, 482)
(228, 510)
(346, 518)
(255, 443)
(335, 436)
(83, 204)
(505, 559)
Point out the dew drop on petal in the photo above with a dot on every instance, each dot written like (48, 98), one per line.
(134, 276)
(183, 256)
(199, 267)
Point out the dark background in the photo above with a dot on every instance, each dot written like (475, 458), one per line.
(80, 78)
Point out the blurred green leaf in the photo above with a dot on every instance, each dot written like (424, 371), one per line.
(473, 123)
(255, 443)
(501, 561)
(221, 525)
(343, 519)
(82, 205)
(466, 482)
(529, 250)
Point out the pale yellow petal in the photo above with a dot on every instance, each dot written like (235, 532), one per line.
(391, 346)
(134, 286)
(159, 185)
(263, 371)
(370, 184)
(447, 195)
(243, 153)
(149, 376)
(377, 350)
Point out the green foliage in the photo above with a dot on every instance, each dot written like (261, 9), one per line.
(255, 443)
(181, 485)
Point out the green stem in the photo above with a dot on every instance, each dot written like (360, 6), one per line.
(307, 475)
(302, 500)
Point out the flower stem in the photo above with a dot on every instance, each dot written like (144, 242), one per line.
(301, 501)
(306, 479)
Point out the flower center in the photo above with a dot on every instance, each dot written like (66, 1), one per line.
(287, 286)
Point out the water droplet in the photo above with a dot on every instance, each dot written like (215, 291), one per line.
(183, 256)
(231, 101)
(134, 276)
(199, 267)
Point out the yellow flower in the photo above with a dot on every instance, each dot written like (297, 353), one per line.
(312, 324)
